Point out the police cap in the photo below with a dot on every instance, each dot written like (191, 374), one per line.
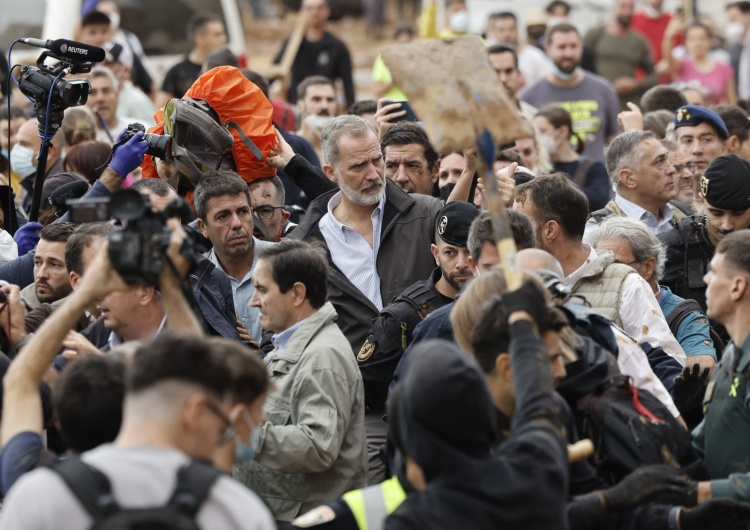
(726, 183)
(453, 222)
(692, 115)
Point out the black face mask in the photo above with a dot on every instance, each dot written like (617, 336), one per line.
(536, 34)
(446, 190)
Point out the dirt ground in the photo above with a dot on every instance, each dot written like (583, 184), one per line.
(264, 40)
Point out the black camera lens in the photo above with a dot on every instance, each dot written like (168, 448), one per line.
(159, 145)
(127, 205)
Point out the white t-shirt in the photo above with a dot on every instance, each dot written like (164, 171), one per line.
(140, 478)
(122, 124)
(533, 63)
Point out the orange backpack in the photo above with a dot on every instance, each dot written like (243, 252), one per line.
(242, 110)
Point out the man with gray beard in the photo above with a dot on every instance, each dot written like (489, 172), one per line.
(377, 239)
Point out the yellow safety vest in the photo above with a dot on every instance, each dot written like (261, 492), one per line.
(370, 506)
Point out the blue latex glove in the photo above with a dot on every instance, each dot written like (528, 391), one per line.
(128, 156)
(26, 237)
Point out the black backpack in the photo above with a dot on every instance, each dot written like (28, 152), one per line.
(685, 308)
(631, 428)
(93, 490)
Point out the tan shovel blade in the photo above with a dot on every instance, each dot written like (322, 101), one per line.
(455, 92)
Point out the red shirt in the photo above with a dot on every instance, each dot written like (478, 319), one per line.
(653, 30)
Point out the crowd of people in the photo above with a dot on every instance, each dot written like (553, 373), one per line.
(335, 339)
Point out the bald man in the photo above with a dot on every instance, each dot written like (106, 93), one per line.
(534, 259)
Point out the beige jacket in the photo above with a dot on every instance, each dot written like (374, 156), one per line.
(601, 285)
(312, 449)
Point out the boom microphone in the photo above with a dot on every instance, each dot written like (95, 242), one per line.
(69, 49)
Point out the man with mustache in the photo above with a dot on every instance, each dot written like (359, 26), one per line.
(51, 280)
(225, 217)
(725, 188)
(376, 236)
(317, 105)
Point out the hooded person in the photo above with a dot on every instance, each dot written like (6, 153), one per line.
(460, 482)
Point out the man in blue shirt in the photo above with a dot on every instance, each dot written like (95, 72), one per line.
(225, 217)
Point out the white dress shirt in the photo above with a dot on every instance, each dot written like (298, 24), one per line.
(351, 253)
(632, 361)
(632, 210)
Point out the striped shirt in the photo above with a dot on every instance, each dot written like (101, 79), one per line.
(351, 253)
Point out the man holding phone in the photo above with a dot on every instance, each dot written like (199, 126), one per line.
(409, 158)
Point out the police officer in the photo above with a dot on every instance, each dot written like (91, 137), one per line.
(701, 134)
(725, 189)
(723, 436)
(391, 332)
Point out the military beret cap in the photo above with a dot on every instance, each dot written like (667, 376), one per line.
(692, 115)
(726, 183)
(453, 222)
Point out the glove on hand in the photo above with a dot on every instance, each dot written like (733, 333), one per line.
(26, 237)
(716, 514)
(530, 298)
(656, 483)
(689, 388)
(128, 156)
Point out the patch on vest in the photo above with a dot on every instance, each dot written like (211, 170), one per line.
(366, 351)
(320, 515)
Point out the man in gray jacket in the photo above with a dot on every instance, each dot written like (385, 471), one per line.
(312, 448)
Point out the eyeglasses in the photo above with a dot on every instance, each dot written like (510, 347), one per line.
(630, 263)
(266, 212)
(230, 432)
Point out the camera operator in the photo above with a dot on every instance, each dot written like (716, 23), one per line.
(136, 311)
(22, 408)
(211, 287)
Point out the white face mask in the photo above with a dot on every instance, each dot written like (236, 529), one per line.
(22, 160)
(317, 123)
(549, 142)
(459, 22)
(735, 31)
(114, 20)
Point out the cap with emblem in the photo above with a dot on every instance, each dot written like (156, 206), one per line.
(726, 183)
(453, 222)
(692, 115)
